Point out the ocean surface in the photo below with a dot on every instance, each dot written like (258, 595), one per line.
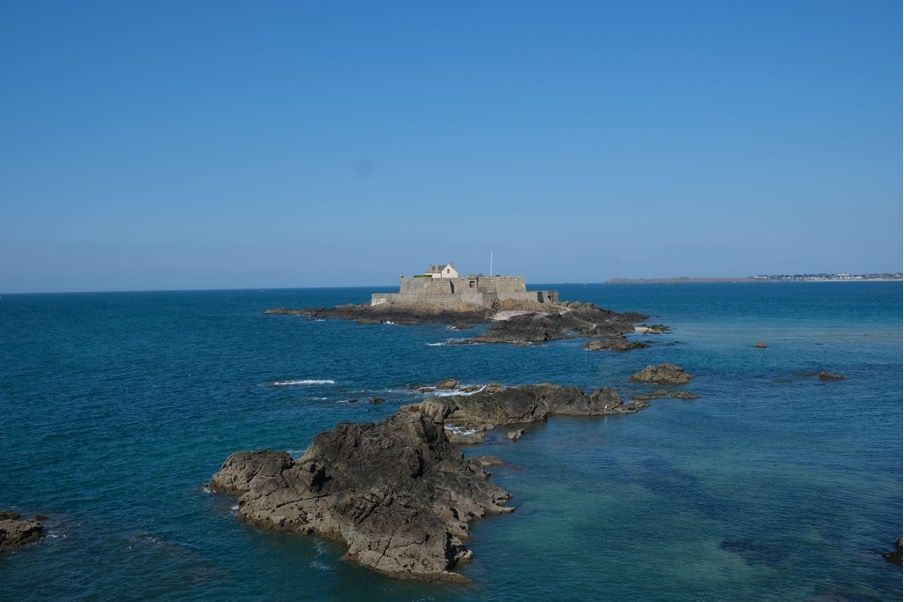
(116, 408)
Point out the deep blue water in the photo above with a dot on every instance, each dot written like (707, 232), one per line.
(116, 408)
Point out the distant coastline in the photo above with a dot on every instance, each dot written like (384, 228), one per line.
(840, 277)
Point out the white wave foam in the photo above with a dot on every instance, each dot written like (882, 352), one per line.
(460, 430)
(437, 344)
(320, 566)
(456, 393)
(304, 381)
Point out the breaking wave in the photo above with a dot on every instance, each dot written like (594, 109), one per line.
(456, 393)
(304, 381)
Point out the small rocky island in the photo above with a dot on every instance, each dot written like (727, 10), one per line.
(515, 315)
(17, 530)
(400, 493)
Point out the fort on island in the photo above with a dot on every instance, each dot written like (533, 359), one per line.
(441, 285)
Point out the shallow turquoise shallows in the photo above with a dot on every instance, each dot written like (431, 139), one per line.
(116, 408)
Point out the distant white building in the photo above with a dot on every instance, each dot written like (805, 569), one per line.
(442, 271)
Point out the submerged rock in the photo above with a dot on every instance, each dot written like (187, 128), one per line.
(614, 344)
(17, 531)
(662, 374)
(829, 376)
(760, 345)
(660, 393)
(895, 555)
(398, 492)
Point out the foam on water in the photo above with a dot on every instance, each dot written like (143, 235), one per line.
(455, 392)
(304, 381)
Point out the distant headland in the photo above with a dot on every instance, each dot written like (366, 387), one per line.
(817, 277)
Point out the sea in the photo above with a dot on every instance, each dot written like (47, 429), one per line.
(116, 408)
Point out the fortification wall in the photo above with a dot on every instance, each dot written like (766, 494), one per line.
(447, 301)
(454, 292)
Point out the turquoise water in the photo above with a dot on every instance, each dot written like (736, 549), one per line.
(116, 408)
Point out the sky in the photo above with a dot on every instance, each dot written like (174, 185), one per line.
(191, 145)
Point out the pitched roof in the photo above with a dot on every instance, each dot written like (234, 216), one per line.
(438, 268)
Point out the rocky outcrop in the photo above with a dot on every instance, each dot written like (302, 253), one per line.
(17, 531)
(662, 374)
(760, 345)
(472, 416)
(524, 323)
(399, 493)
(448, 384)
(558, 322)
(614, 344)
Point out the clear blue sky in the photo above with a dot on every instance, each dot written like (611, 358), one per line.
(148, 145)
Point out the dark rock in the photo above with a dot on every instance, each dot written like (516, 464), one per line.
(17, 531)
(449, 383)
(895, 555)
(515, 435)
(399, 493)
(558, 322)
(538, 322)
(663, 374)
(495, 405)
(760, 345)
(614, 344)
(829, 376)
(376, 400)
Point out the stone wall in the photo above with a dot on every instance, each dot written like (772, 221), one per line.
(456, 292)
